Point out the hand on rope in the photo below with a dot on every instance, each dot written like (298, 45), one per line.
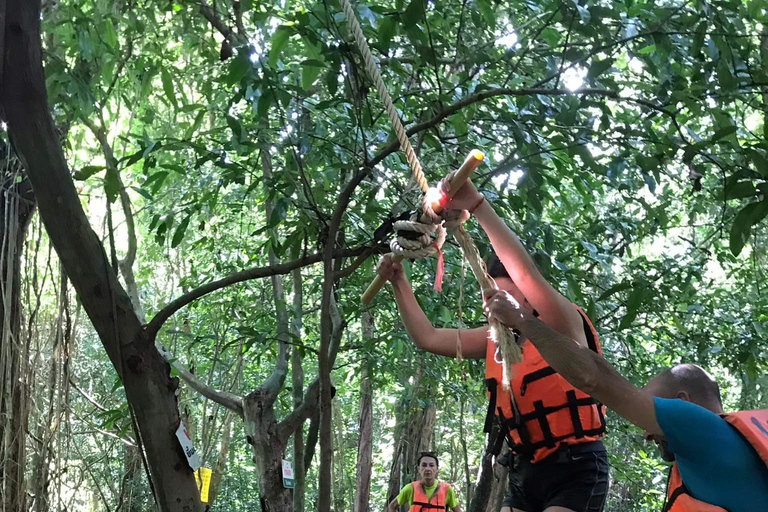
(468, 199)
(428, 216)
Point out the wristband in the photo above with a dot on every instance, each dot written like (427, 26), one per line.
(477, 205)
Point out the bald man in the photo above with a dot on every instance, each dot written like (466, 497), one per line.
(721, 461)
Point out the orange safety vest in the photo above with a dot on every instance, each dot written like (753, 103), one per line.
(436, 501)
(753, 425)
(547, 411)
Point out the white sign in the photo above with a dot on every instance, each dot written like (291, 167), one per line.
(189, 450)
(287, 474)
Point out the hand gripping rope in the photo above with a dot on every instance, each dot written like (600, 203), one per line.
(415, 238)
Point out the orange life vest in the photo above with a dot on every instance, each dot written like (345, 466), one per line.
(753, 425)
(547, 411)
(435, 502)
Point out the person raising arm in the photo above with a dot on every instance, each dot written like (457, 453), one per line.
(554, 429)
(721, 460)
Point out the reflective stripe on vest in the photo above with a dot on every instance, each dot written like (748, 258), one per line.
(753, 425)
(547, 411)
(435, 502)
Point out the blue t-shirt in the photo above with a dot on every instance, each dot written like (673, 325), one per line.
(717, 465)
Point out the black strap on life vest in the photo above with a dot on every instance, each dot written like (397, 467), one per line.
(540, 412)
(670, 499)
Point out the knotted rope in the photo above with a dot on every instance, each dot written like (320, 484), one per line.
(415, 236)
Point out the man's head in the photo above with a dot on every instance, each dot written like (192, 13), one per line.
(427, 467)
(687, 382)
(499, 274)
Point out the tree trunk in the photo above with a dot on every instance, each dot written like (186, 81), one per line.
(16, 209)
(145, 375)
(267, 452)
(492, 480)
(221, 458)
(365, 425)
(463, 440)
(297, 383)
(394, 475)
(340, 488)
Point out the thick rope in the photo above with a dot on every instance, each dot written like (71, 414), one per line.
(427, 221)
(373, 72)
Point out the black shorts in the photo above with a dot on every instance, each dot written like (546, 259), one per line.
(574, 478)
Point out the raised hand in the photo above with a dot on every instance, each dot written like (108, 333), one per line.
(390, 270)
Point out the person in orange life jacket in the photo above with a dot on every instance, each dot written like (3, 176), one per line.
(427, 493)
(721, 460)
(555, 429)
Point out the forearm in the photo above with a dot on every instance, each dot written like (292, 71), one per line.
(417, 325)
(577, 363)
(506, 244)
(589, 372)
(392, 507)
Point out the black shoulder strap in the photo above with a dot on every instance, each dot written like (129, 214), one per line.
(670, 499)
(591, 341)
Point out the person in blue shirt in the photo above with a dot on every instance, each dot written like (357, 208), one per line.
(679, 409)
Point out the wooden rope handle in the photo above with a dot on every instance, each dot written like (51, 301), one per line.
(470, 164)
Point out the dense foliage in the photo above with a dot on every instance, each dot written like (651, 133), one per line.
(626, 146)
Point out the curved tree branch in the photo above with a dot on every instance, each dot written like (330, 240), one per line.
(229, 400)
(164, 314)
(504, 91)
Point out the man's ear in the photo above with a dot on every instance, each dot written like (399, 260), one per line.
(683, 395)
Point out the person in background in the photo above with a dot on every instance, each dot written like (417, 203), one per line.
(426, 494)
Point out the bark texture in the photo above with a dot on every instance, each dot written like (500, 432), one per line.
(148, 385)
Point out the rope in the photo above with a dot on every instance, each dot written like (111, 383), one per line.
(373, 72)
(415, 235)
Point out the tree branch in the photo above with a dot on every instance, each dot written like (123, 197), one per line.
(164, 314)
(229, 34)
(504, 91)
(229, 400)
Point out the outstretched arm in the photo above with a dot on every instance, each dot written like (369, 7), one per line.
(579, 365)
(553, 307)
(424, 335)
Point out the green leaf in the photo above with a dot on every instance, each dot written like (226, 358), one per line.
(178, 235)
(277, 44)
(487, 11)
(387, 28)
(195, 125)
(739, 190)
(167, 80)
(265, 102)
(647, 49)
(86, 172)
(238, 68)
(246, 5)
(309, 73)
(599, 67)
(110, 37)
(635, 300)
(723, 132)
(724, 76)
(236, 127)
(413, 13)
(112, 185)
(156, 180)
(761, 163)
(742, 224)
(614, 289)
(278, 212)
